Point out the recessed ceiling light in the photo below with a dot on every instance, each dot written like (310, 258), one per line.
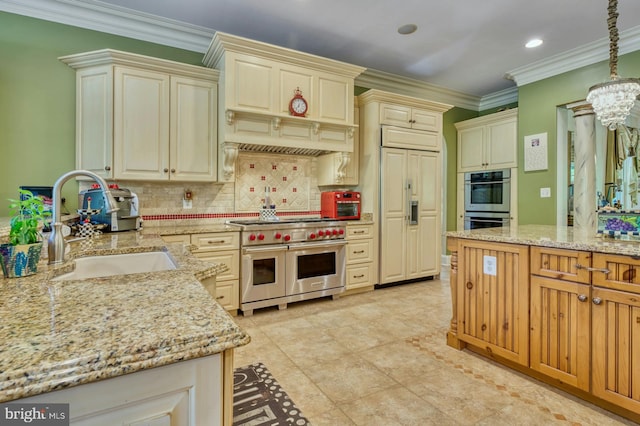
(407, 29)
(533, 43)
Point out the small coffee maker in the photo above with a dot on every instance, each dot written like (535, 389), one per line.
(126, 218)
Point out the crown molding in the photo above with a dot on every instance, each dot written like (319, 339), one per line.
(374, 79)
(579, 57)
(98, 16)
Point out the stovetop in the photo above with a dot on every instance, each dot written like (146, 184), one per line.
(262, 232)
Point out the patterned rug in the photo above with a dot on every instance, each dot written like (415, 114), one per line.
(258, 399)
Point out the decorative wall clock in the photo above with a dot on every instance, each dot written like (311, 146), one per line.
(298, 106)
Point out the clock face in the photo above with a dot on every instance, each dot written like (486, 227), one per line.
(299, 105)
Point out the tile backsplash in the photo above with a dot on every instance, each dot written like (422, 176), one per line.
(292, 179)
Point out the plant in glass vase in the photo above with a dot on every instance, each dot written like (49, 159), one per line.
(20, 256)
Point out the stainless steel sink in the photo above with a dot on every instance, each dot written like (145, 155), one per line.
(118, 264)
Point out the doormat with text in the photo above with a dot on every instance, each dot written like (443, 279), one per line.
(258, 399)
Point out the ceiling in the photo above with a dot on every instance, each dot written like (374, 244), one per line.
(463, 45)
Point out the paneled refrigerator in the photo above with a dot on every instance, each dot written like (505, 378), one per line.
(410, 214)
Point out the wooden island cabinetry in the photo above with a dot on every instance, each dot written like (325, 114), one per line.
(569, 307)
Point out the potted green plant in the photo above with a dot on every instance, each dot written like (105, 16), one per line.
(20, 256)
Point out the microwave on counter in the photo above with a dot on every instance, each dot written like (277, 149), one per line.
(340, 205)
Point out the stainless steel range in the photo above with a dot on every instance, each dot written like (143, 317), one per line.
(290, 260)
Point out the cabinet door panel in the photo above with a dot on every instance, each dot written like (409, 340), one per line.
(393, 198)
(617, 272)
(616, 348)
(292, 79)
(568, 265)
(560, 326)
(501, 150)
(193, 153)
(397, 137)
(252, 85)
(94, 120)
(426, 120)
(471, 149)
(141, 124)
(395, 115)
(334, 99)
(493, 303)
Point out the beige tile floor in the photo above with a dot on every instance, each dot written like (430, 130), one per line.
(380, 358)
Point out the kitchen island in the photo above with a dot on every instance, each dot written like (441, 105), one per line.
(559, 305)
(138, 346)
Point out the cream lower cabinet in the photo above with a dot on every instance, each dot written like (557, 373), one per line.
(493, 298)
(360, 250)
(222, 247)
(488, 142)
(218, 247)
(142, 118)
(187, 393)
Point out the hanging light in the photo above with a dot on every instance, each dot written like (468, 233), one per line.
(612, 101)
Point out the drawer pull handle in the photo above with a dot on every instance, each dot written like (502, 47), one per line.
(597, 301)
(358, 252)
(215, 241)
(359, 276)
(589, 269)
(219, 297)
(582, 297)
(358, 232)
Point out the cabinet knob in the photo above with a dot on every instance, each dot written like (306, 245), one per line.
(582, 297)
(597, 301)
(173, 170)
(107, 168)
(469, 285)
(166, 170)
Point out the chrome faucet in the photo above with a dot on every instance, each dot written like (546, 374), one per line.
(56, 240)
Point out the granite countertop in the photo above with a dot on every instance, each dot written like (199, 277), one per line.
(58, 334)
(181, 228)
(563, 237)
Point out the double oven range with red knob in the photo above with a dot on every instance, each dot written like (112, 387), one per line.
(290, 260)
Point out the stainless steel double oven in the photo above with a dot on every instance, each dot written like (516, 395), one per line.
(289, 261)
(487, 199)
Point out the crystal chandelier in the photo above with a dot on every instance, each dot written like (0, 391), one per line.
(612, 101)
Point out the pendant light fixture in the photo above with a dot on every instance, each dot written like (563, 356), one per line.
(612, 101)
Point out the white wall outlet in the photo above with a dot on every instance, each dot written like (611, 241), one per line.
(545, 192)
(187, 204)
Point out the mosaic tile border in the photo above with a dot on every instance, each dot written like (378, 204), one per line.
(161, 217)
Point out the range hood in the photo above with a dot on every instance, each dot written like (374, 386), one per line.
(257, 84)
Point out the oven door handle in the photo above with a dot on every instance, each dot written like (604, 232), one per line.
(319, 244)
(497, 220)
(486, 182)
(263, 249)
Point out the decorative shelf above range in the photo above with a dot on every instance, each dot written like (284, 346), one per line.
(258, 82)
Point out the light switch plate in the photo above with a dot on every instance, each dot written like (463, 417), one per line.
(187, 204)
(545, 192)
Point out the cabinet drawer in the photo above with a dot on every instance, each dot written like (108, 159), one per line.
(230, 258)
(359, 232)
(360, 251)
(184, 239)
(617, 272)
(216, 241)
(228, 294)
(568, 265)
(359, 275)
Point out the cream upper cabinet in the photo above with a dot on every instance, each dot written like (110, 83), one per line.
(258, 82)
(142, 118)
(410, 118)
(488, 142)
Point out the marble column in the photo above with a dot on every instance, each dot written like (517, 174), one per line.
(584, 181)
